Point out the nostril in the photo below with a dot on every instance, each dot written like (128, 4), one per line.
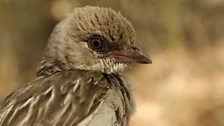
(135, 48)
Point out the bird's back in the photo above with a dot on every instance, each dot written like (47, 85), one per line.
(70, 98)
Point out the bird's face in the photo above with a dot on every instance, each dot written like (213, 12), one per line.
(99, 39)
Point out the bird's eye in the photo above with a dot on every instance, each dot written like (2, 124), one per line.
(97, 43)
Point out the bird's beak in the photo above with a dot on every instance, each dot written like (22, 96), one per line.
(131, 54)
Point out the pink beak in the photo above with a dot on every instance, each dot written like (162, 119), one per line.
(130, 54)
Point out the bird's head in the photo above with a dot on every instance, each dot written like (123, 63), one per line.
(94, 38)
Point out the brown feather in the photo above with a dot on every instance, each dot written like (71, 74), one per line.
(46, 101)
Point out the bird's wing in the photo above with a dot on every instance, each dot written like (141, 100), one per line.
(62, 99)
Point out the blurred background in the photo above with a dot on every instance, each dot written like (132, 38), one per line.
(185, 39)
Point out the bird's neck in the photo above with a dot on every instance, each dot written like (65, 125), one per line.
(51, 66)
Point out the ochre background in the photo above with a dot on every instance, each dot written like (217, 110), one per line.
(185, 39)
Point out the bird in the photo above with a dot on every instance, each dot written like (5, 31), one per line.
(79, 81)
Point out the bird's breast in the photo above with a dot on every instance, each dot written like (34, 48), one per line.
(116, 106)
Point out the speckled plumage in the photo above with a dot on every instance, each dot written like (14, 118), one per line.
(78, 82)
(68, 98)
